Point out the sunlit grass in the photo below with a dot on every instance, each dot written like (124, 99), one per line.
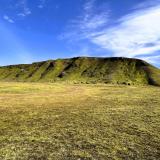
(63, 121)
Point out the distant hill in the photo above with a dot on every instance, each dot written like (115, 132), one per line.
(85, 70)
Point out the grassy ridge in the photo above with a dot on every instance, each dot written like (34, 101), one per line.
(70, 122)
(85, 70)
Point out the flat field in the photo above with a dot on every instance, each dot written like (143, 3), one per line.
(41, 121)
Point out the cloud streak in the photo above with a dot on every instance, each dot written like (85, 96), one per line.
(88, 24)
(153, 59)
(136, 34)
(23, 4)
(133, 35)
(41, 4)
(7, 18)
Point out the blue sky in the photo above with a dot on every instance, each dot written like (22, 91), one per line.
(35, 30)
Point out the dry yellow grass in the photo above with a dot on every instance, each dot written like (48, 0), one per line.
(64, 122)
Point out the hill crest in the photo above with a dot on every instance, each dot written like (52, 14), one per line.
(115, 70)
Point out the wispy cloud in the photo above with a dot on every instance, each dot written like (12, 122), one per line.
(133, 35)
(152, 59)
(21, 14)
(7, 18)
(92, 19)
(146, 4)
(41, 4)
(25, 10)
(136, 34)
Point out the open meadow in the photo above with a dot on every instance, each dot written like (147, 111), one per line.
(45, 121)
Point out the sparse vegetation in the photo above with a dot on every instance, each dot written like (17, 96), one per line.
(93, 122)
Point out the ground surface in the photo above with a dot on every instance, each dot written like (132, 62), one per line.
(65, 122)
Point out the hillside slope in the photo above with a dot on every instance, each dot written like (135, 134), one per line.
(84, 70)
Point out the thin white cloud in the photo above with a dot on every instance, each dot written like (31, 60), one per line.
(136, 34)
(41, 4)
(133, 35)
(27, 11)
(7, 18)
(146, 4)
(152, 59)
(88, 24)
(93, 18)
(21, 14)
(23, 5)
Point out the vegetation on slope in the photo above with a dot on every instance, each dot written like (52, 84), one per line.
(70, 122)
(85, 70)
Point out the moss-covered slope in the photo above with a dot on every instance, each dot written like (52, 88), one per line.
(85, 70)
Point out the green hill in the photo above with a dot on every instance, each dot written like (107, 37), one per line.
(85, 70)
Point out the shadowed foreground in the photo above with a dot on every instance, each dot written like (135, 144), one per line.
(65, 122)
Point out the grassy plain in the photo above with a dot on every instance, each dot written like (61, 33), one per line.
(41, 121)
